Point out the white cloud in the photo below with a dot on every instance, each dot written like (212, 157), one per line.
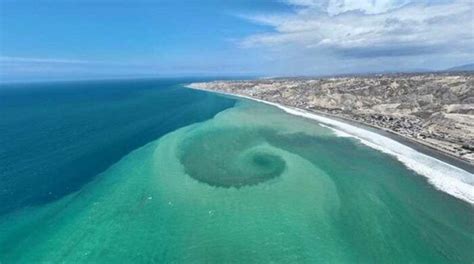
(369, 28)
(334, 7)
(368, 7)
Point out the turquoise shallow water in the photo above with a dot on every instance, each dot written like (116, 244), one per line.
(250, 185)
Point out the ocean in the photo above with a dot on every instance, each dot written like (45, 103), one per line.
(147, 171)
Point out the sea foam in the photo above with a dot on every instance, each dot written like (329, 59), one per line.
(445, 177)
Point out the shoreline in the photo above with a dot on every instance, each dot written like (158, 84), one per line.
(425, 160)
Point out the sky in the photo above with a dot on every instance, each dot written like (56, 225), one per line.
(67, 39)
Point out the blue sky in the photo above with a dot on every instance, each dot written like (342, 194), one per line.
(118, 38)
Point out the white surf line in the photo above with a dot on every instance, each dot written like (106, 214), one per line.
(445, 177)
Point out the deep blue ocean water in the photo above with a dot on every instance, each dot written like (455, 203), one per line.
(56, 137)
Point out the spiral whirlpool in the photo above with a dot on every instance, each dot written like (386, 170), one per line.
(230, 158)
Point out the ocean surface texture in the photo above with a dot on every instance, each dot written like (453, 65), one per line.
(150, 172)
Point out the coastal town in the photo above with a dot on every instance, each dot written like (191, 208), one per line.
(434, 109)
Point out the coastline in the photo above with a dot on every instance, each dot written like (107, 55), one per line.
(435, 164)
(435, 110)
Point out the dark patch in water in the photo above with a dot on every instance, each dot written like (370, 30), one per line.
(230, 158)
